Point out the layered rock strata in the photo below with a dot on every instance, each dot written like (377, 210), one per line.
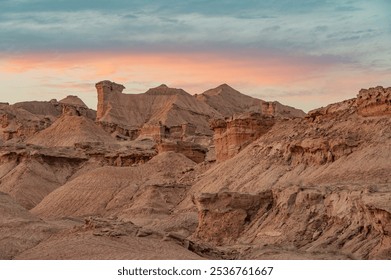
(374, 101)
(24, 119)
(235, 133)
(161, 112)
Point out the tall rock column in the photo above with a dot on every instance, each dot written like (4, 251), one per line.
(105, 89)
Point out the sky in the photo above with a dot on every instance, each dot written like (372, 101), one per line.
(303, 53)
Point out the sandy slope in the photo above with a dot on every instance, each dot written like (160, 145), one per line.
(31, 180)
(326, 186)
(19, 230)
(107, 239)
(228, 101)
(120, 191)
(68, 130)
(24, 236)
(312, 188)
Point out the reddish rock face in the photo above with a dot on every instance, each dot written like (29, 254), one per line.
(305, 188)
(374, 102)
(193, 151)
(234, 134)
(105, 89)
(223, 216)
(369, 103)
(165, 112)
(151, 111)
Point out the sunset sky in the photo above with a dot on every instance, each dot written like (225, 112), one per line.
(303, 53)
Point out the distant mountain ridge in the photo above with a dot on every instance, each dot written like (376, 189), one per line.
(173, 107)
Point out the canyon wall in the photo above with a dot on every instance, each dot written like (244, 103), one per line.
(235, 133)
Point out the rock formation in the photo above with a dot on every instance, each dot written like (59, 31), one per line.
(107, 92)
(369, 102)
(74, 106)
(17, 124)
(224, 216)
(193, 151)
(219, 175)
(160, 108)
(374, 101)
(228, 101)
(328, 182)
(69, 130)
(19, 230)
(235, 133)
(24, 119)
(175, 119)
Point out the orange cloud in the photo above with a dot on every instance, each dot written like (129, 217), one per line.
(169, 68)
(304, 82)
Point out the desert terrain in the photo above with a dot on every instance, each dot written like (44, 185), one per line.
(218, 175)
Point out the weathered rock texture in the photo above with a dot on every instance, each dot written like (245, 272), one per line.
(246, 118)
(107, 92)
(18, 124)
(235, 133)
(151, 188)
(29, 174)
(195, 152)
(141, 181)
(228, 101)
(164, 112)
(329, 183)
(19, 230)
(24, 119)
(374, 101)
(179, 122)
(160, 132)
(369, 102)
(111, 238)
(159, 111)
(69, 130)
(224, 216)
(74, 106)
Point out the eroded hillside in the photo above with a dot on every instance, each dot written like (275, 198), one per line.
(168, 175)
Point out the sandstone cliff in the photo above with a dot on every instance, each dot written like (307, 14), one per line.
(235, 133)
(328, 184)
(161, 107)
(181, 122)
(284, 186)
(163, 112)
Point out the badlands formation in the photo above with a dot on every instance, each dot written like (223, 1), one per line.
(218, 175)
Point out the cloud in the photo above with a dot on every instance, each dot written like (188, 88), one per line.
(249, 43)
(304, 82)
(310, 27)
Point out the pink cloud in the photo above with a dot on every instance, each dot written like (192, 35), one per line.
(265, 69)
(305, 82)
